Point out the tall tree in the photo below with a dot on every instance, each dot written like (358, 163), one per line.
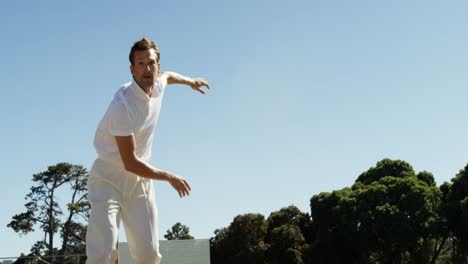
(457, 214)
(388, 216)
(73, 232)
(286, 243)
(241, 242)
(43, 209)
(178, 232)
(336, 227)
(286, 235)
(291, 215)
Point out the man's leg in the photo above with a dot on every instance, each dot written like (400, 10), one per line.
(139, 216)
(103, 226)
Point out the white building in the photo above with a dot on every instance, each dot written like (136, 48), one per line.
(193, 251)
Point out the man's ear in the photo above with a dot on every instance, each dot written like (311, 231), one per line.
(131, 69)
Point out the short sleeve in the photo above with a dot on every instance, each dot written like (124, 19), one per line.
(160, 85)
(162, 82)
(118, 120)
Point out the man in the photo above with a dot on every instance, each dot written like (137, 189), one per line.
(119, 185)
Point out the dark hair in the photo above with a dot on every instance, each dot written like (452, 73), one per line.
(143, 44)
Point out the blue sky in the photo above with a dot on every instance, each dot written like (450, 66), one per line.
(306, 96)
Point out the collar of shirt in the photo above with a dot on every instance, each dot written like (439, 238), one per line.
(140, 93)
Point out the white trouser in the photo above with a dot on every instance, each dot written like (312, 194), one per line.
(136, 207)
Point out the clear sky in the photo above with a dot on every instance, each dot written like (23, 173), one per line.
(306, 96)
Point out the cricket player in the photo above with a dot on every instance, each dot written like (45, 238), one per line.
(119, 184)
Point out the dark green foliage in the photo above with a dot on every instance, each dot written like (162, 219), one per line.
(457, 214)
(386, 167)
(389, 215)
(178, 232)
(291, 215)
(336, 226)
(287, 229)
(426, 177)
(286, 245)
(241, 242)
(44, 211)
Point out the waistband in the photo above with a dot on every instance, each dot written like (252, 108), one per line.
(114, 173)
(114, 162)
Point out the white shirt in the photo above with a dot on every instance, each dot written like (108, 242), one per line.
(131, 112)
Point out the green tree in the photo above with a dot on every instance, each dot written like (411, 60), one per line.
(399, 210)
(291, 215)
(338, 237)
(241, 242)
(389, 216)
(386, 167)
(457, 214)
(178, 232)
(43, 209)
(286, 244)
(442, 234)
(398, 216)
(286, 233)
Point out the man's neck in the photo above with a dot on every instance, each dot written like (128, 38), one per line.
(147, 90)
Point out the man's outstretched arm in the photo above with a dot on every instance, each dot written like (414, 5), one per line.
(133, 164)
(195, 83)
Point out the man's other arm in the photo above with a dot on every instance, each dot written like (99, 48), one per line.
(133, 164)
(195, 83)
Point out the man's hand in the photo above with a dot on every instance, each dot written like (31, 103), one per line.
(195, 83)
(133, 164)
(181, 185)
(198, 83)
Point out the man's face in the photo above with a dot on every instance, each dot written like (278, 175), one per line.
(145, 68)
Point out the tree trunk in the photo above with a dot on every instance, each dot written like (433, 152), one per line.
(51, 217)
(66, 226)
(439, 249)
(51, 228)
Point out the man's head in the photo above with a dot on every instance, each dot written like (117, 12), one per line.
(144, 63)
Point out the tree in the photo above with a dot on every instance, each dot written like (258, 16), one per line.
(457, 214)
(178, 232)
(43, 209)
(386, 167)
(291, 215)
(388, 216)
(397, 216)
(442, 232)
(336, 227)
(241, 242)
(286, 245)
(287, 229)
(399, 209)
